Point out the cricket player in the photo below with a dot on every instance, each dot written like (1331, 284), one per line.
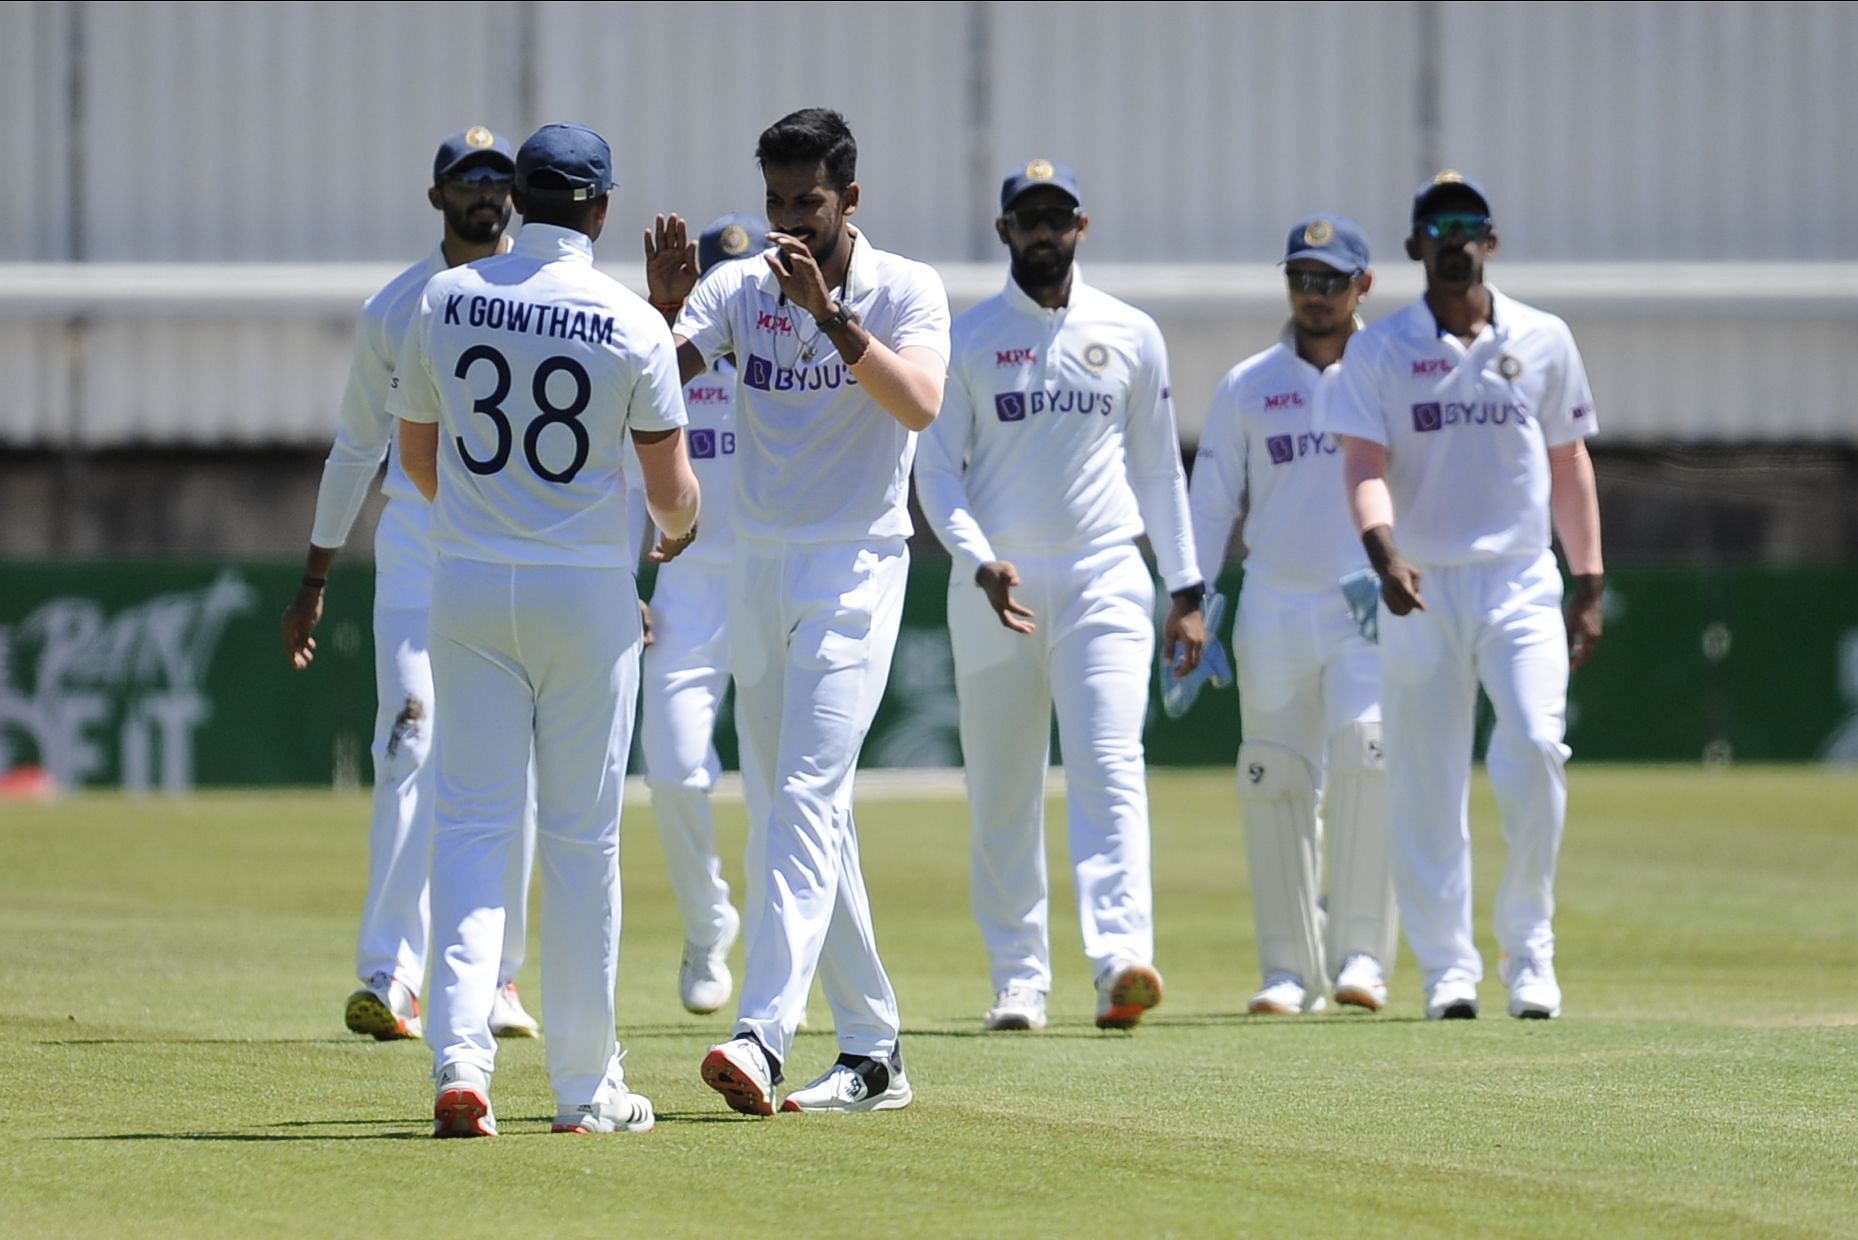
(531, 368)
(471, 177)
(684, 671)
(1464, 420)
(841, 348)
(1055, 448)
(1309, 681)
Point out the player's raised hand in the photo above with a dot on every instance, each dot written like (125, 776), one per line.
(1586, 620)
(996, 578)
(799, 274)
(1183, 636)
(670, 261)
(299, 623)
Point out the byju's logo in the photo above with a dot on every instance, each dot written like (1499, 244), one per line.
(1011, 406)
(1427, 417)
(1281, 448)
(760, 373)
(703, 444)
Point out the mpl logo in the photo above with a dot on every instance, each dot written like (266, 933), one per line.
(1010, 406)
(1282, 448)
(706, 395)
(1429, 416)
(1284, 400)
(1015, 357)
(779, 324)
(759, 374)
(1433, 366)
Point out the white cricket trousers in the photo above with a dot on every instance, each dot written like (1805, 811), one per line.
(683, 676)
(1090, 658)
(547, 655)
(394, 915)
(1497, 623)
(812, 630)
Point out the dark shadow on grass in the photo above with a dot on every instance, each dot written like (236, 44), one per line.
(211, 1042)
(397, 1135)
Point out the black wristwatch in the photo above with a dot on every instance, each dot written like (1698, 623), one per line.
(839, 318)
(1195, 594)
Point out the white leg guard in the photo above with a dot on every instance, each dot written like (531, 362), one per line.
(1362, 916)
(1277, 793)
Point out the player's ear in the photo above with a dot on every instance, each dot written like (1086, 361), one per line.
(1490, 244)
(1000, 230)
(1364, 282)
(435, 198)
(1412, 248)
(1083, 224)
(849, 198)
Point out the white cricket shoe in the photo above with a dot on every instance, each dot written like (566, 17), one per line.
(629, 1112)
(508, 1018)
(462, 1108)
(386, 1008)
(1534, 993)
(1452, 999)
(855, 1083)
(704, 982)
(743, 1073)
(1361, 983)
(1020, 1006)
(1124, 992)
(1283, 994)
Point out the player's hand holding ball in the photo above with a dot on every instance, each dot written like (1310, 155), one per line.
(799, 275)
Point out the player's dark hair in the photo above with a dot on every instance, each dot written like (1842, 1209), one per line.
(573, 215)
(811, 136)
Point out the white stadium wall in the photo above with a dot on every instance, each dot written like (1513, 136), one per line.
(287, 147)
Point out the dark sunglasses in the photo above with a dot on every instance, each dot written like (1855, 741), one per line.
(1028, 219)
(1328, 283)
(1451, 224)
(479, 179)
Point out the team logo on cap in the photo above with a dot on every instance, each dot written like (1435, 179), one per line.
(480, 137)
(1096, 357)
(1322, 232)
(1449, 177)
(1041, 170)
(735, 240)
(1510, 366)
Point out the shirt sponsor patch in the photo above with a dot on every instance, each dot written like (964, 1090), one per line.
(1284, 400)
(1018, 406)
(1015, 357)
(1432, 366)
(703, 444)
(1282, 450)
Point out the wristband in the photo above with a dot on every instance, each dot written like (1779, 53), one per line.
(1195, 594)
(667, 307)
(841, 317)
(315, 582)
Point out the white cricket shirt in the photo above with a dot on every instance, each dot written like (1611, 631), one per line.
(535, 366)
(365, 433)
(1467, 430)
(1056, 435)
(710, 441)
(1262, 461)
(819, 461)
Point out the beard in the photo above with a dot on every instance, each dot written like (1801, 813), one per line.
(1042, 266)
(480, 223)
(1458, 267)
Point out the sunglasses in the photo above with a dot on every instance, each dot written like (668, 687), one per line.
(1327, 283)
(1452, 224)
(1028, 219)
(477, 180)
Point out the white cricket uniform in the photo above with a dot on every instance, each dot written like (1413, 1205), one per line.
(1055, 448)
(394, 920)
(684, 673)
(1467, 432)
(1309, 682)
(535, 366)
(816, 596)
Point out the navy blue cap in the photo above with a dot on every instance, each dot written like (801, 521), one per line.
(476, 143)
(1330, 239)
(731, 237)
(574, 153)
(1040, 172)
(1447, 182)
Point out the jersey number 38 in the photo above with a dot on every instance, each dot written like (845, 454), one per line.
(491, 406)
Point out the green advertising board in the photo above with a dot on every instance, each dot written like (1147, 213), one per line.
(167, 675)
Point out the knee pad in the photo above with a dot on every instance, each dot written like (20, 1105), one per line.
(1357, 747)
(1271, 772)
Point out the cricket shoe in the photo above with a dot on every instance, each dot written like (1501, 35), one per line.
(855, 1083)
(743, 1072)
(1452, 999)
(462, 1108)
(385, 1008)
(1020, 1006)
(1124, 992)
(1534, 993)
(704, 982)
(1283, 994)
(1361, 983)
(629, 1112)
(508, 1017)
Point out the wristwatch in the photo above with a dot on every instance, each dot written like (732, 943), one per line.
(837, 319)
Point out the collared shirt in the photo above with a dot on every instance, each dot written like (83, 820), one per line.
(1467, 428)
(1056, 435)
(1262, 460)
(818, 459)
(535, 366)
(364, 434)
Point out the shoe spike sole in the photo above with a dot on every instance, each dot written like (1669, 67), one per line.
(741, 1094)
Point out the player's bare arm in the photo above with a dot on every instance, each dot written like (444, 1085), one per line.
(419, 455)
(1573, 499)
(671, 491)
(305, 611)
(907, 384)
(996, 578)
(1364, 470)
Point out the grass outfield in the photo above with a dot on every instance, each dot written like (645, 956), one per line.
(172, 1057)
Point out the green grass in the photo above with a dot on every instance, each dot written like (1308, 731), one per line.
(172, 1058)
